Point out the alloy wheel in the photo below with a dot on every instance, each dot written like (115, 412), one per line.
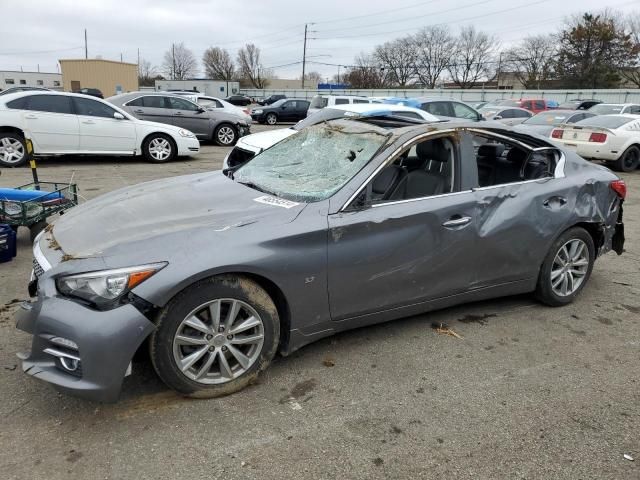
(11, 150)
(631, 159)
(226, 135)
(271, 119)
(218, 341)
(570, 266)
(160, 148)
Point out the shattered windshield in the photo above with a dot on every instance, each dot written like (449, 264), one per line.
(315, 163)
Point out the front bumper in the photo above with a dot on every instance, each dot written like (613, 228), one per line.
(188, 146)
(258, 118)
(106, 342)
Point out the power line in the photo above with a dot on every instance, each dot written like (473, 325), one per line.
(444, 23)
(41, 51)
(381, 12)
(410, 18)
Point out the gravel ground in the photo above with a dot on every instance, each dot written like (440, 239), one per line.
(526, 392)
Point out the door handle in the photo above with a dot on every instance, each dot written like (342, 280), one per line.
(178, 114)
(88, 122)
(456, 221)
(138, 111)
(31, 117)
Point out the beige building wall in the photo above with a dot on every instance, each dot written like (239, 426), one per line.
(106, 75)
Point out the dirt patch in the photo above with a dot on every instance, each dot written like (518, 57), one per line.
(604, 321)
(632, 308)
(302, 388)
(73, 456)
(378, 462)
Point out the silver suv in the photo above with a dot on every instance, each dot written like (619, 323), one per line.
(222, 127)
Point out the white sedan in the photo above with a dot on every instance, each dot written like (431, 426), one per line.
(210, 103)
(66, 123)
(250, 145)
(612, 138)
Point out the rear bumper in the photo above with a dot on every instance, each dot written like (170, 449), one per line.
(105, 341)
(595, 151)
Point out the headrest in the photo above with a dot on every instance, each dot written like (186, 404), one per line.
(516, 155)
(492, 150)
(433, 150)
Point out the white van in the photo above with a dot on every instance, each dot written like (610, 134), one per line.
(320, 101)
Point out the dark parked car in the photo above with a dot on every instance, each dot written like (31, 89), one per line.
(239, 100)
(271, 99)
(448, 108)
(224, 128)
(287, 110)
(11, 90)
(579, 104)
(507, 115)
(544, 122)
(94, 92)
(347, 223)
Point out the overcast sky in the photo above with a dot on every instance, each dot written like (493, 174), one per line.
(43, 31)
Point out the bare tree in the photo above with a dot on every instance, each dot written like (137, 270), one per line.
(218, 64)
(631, 72)
(398, 58)
(250, 66)
(435, 48)
(313, 77)
(179, 62)
(473, 57)
(366, 73)
(532, 60)
(147, 73)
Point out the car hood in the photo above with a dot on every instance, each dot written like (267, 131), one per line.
(263, 140)
(160, 208)
(164, 126)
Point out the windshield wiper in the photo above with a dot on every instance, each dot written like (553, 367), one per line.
(255, 187)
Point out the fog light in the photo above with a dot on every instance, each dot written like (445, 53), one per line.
(70, 364)
(64, 342)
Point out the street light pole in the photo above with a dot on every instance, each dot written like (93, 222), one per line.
(304, 53)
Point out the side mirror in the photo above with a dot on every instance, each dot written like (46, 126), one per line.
(282, 107)
(497, 117)
(118, 116)
(201, 110)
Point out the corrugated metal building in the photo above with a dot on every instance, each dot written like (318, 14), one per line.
(108, 76)
(214, 88)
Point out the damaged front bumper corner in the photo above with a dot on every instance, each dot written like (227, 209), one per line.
(79, 350)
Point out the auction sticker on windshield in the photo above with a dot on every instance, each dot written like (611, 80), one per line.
(278, 202)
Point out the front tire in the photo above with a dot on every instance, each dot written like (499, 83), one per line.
(13, 150)
(271, 119)
(628, 161)
(215, 337)
(159, 148)
(566, 268)
(225, 135)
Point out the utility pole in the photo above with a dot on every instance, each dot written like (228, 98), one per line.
(498, 74)
(304, 50)
(173, 60)
(304, 53)
(120, 57)
(86, 51)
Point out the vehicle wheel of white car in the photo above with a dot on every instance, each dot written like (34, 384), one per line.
(12, 150)
(159, 148)
(271, 118)
(628, 161)
(225, 135)
(215, 337)
(567, 268)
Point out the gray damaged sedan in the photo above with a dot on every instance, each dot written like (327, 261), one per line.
(347, 223)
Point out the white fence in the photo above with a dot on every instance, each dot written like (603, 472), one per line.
(475, 95)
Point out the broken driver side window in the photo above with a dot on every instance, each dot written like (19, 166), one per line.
(500, 162)
(423, 170)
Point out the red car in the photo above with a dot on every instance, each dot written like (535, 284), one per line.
(535, 105)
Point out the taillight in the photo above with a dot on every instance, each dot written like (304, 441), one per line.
(598, 137)
(619, 187)
(557, 133)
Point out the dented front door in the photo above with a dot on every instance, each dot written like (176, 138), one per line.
(400, 253)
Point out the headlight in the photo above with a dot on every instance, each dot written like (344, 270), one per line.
(106, 286)
(256, 112)
(186, 133)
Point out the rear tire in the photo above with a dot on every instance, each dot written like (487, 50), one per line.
(159, 148)
(225, 135)
(628, 161)
(566, 268)
(13, 150)
(199, 356)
